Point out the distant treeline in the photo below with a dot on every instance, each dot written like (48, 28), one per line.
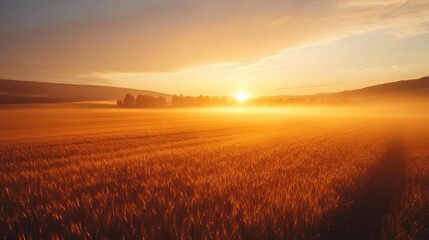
(200, 101)
(142, 101)
(146, 101)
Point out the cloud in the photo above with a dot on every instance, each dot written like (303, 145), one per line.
(66, 39)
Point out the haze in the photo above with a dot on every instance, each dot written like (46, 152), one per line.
(198, 119)
(216, 47)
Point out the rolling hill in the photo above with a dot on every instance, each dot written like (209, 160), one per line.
(404, 90)
(413, 87)
(13, 91)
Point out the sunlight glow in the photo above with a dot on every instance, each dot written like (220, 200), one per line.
(242, 96)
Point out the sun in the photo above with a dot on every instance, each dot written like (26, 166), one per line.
(242, 96)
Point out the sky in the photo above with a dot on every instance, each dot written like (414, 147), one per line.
(218, 48)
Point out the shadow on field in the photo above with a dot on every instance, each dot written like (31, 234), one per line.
(371, 201)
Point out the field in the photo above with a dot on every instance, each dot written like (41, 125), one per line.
(69, 171)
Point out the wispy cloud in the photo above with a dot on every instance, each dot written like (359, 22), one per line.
(68, 38)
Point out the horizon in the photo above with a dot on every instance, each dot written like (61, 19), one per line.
(229, 96)
(216, 48)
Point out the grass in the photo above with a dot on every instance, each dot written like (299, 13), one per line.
(74, 172)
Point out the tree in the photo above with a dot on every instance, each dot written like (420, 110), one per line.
(129, 100)
(177, 101)
(142, 101)
(147, 101)
(162, 102)
(119, 103)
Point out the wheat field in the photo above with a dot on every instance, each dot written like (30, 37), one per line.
(68, 171)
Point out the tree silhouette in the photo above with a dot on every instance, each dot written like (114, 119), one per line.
(129, 100)
(143, 101)
(147, 101)
(162, 102)
(150, 102)
(200, 101)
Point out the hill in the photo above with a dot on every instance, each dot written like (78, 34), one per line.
(413, 87)
(404, 90)
(13, 91)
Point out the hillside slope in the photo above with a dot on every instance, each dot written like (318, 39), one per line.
(403, 87)
(404, 90)
(13, 91)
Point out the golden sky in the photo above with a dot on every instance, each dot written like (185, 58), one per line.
(264, 47)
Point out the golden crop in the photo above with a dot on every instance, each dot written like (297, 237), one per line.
(68, 172)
